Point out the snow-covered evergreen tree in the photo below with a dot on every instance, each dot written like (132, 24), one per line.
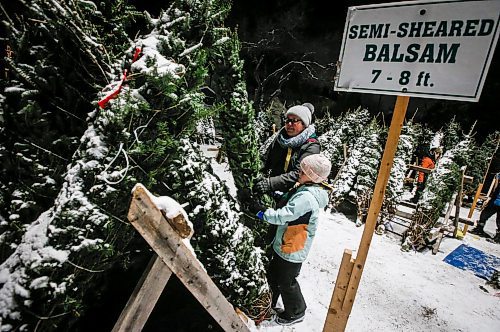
(237, 123)
(368, 168)
(479, 160)
(342, 131)
(60, 54)
(452, 135)
(395, 186)
(222, 243)
(361, 166)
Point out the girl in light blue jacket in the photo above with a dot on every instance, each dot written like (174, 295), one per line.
(297, 222)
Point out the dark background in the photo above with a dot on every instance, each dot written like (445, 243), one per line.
(284, 33)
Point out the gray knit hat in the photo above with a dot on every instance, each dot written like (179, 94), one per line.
(304, 112)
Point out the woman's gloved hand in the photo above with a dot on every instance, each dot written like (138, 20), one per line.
(262, 186)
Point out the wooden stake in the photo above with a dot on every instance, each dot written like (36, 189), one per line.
(472, 207)
(338, 321)
(458, 202)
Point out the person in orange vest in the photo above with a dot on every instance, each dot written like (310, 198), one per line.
(428, 161)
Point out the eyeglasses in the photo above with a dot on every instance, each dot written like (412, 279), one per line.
(292, 121)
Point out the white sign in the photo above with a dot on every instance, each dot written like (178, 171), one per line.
(432, 49)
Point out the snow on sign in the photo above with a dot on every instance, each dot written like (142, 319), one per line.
(432, 49)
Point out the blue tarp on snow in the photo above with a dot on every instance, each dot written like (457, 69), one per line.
(468, 258)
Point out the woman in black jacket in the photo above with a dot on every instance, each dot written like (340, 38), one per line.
(296, 140)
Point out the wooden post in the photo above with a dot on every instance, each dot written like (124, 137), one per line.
(472, 207)
(337, 319)
(142, 301)
(174, 254)
(340, 288)
(458, 202)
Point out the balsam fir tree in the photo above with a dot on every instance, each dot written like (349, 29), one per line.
(361, 165)
(222, 243)
(237, 125)
(480, 158)
(368, 168)
(343, 131)
(441, 184)
(452, 135)
(395, 186)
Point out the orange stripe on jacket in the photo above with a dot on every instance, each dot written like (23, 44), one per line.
(294, 238)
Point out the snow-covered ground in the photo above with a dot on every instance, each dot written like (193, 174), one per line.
(399, 291)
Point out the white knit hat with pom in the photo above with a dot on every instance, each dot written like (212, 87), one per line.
(317, 167)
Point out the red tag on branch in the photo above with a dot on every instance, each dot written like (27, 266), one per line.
(115, 92)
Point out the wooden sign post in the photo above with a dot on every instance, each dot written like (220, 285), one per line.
(351, 270)
(166, 238)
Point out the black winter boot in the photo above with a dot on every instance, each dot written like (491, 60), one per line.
(478, 230)
(497, 237)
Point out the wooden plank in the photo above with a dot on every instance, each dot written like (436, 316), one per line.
(340, 320)
(468, 179)
(473, 207)
(450, 208)
(403, 214)
(150, 287)
(339, 291)
(458, 203)
(420, 169)
(142, 301)
(168, 245)
(435, 248)
(408, 204)
(180, 225)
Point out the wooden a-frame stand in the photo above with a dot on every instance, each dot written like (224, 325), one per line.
(166, 238)
(351, 269)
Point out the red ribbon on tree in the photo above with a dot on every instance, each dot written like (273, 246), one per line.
(114, 93)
